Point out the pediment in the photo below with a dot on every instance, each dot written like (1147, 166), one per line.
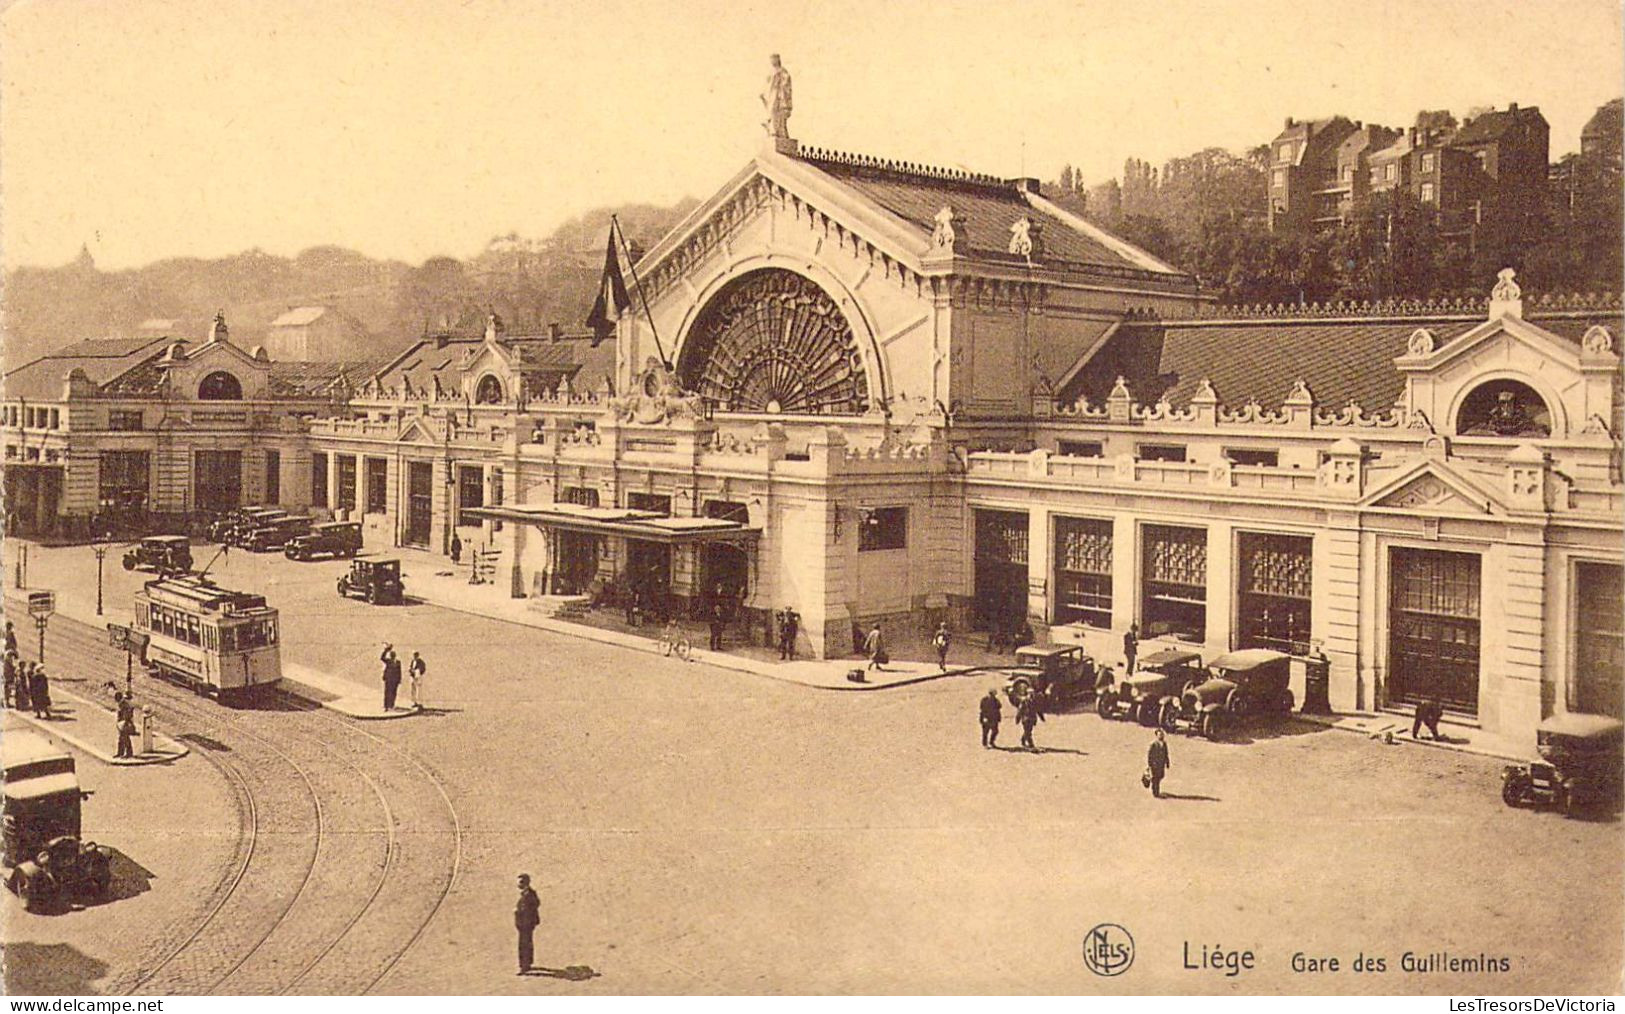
(1435, 488)
(1424, 356)
(416, 431)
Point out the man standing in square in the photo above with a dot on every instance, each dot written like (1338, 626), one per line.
(527, 915)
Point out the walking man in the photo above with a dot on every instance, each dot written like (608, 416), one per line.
(39, 692)
(789, 630)
(940, 641)
(1131, 645)
(20, 688)
(456, 549)
(874, 646)
(527, 915)
(991, 712)
(716, 625)
(11, 638)
(1157, 763)
(126, 724)
(392, 676)
(9, 663)
(1029, 713)
(415, 672)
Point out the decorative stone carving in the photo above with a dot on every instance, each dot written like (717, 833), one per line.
(944, 235)
(1597, 341)
(1300, 394)
(776, 100)
(1421, 343)
(656, 398)
(1025, 239)
(1418, 420)
(1505, 288)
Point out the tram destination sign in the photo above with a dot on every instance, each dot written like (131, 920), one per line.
(41, 603)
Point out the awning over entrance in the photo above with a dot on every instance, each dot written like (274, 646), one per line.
(622, 521)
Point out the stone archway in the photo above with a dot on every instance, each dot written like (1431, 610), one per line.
(773, 340)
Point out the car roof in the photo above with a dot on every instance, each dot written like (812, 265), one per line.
(327, 526)
(1171, 656)
(22, 746)
(1046, 651)
(45, 785)
(1581, 725)
(167, 539)
(1247, 658)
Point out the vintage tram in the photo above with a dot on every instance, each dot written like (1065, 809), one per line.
(212, 639)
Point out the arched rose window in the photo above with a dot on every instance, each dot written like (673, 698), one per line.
(1504, 408)
(773, 341)
(220, 386)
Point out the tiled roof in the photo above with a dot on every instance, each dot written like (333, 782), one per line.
(307, 379)
(1491, 125)
(545, 359)
(987, 205)
(1341, 360)
(101, 359)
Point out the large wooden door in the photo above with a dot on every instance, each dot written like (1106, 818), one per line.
(1001, 569)
(419, 502)
(1434, 632)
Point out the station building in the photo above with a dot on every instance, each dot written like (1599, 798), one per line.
(886, 392)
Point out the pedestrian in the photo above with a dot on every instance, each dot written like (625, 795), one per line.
(9, 664)
(991, 712)
(789, 630)
(717, 623)
(456, 549)
(527, 915)
(1029, 713)
(392, 676)
(1131, 646)
(19, 689)
(939, 641)
(39, 692)
(415, 672)
(1156, 764)
(874, 645)
(1429, 713)
(126, 724)
(11, 638)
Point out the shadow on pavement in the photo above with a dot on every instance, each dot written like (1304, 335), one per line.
(45, 969)
(1191, 797)
(130, 878)
(571, 973)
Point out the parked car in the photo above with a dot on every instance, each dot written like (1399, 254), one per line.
(377, 581)
(275, 534)
(224, 527)
(334, 538)
(1253, 681)
(1062, 673)
(1580, 767)
(248, 521)
(1158, 682)
(162, 554)
(43, 855)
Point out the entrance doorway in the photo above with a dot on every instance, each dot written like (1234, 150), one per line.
(419, 503)
(648, 569)
(1001, 570)
(575, 562)
(1433, 623)
(217, 480)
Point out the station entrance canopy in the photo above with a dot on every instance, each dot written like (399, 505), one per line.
(621, 521)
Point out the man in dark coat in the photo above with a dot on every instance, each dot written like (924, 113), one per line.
(1131, 646)
(991, 712)
(1157, 763)
(527, 915)
(11, 637)
(718, 621)
(1428, 713)
(19, 689)
(456, 549)
(392, 676)
(39, 692)
(789, 630)
(1029, 713)
(10, 665)
(940, 641)
(126, 725)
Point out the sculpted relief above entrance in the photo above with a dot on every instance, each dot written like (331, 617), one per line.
(774, 341)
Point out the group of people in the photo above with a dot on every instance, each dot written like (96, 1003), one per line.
(27, 687)
(1029, 712)
(788, 623)
(392, 677)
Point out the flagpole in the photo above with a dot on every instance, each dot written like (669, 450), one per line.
(615, 227)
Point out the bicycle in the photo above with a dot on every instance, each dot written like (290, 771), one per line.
(672, 642)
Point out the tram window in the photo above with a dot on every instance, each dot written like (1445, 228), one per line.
(228, 639)
(194, 631)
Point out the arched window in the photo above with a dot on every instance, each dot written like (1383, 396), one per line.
(488, 391)
(1504, 408)
(220, 386)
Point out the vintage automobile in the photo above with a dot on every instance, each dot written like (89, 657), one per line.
(1062, 673)
(1253, 681)
(1580, 765)
(1160, 679)
(275, 534)
(224, 528)
(162, 554)
(44, 858)
(334, 538)
(251, 521)
(377, 581)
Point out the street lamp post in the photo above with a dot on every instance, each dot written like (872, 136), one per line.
(39, 624)
(100, 549)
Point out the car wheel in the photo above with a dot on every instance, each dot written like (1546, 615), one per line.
(1210, 724)
(1237, 704)
(1513, 792)
(1169, 717)
(1105, 705)
(129, 564)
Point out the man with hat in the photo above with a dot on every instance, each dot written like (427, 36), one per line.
(527, 915)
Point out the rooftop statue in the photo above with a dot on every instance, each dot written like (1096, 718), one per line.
(776, 100)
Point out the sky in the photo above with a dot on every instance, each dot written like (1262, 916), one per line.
(411, 128)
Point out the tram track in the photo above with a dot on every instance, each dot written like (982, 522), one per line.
(333, 882)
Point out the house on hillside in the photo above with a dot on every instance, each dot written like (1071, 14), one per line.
(307, 333)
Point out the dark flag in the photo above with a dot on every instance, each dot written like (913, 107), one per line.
(612, 298)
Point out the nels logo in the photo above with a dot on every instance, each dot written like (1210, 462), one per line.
(1108, 949)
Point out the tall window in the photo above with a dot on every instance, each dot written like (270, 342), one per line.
(273, 476)
(1083, 571)
(346, 493)
(123, 479)
(318, 479)
(883, 528)
(217, 479)
(1274, 573)
(1427, 162)
(470, 486)
(1599, 661)
(377, 485)
(1428, 193)
(1174, 582)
